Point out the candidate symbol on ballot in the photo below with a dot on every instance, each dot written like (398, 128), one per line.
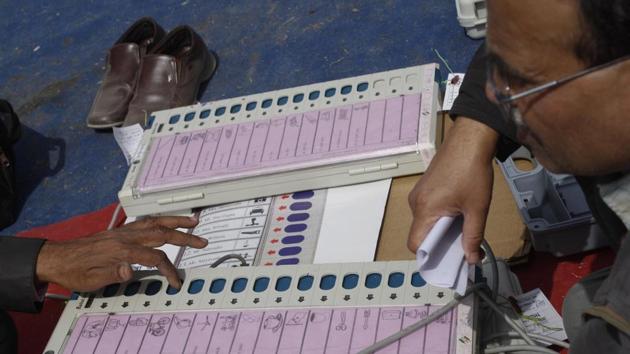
(342, 324)
(250, 317)
(390, 314)
(416, 313)
(206, 324)
(139, 322)
(273, 322)
(366, 319)
(158, 328)
(297, 319)
(93, 329)
(318, 317)
(228, 322)
(113, 324)
(182, 323)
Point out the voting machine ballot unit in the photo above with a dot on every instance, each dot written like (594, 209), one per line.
(323, 135)
(332, 308)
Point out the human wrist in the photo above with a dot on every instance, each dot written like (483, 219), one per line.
(44, 268)
(473, 138)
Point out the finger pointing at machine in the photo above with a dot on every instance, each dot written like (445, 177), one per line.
(105, 258)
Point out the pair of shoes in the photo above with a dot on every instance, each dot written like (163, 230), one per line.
(149, 71)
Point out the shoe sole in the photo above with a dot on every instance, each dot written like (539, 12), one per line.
(104, 126)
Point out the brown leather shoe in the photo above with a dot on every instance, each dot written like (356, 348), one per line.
(171, 74)
(123, 64)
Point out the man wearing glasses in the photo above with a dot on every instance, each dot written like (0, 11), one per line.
(557, 79)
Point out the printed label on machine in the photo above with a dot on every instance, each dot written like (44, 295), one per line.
(311, 139)
(296, 330)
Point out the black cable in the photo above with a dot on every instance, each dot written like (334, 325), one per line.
(495, 268)
(221, 260)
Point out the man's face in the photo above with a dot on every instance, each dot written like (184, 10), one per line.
(582, 127)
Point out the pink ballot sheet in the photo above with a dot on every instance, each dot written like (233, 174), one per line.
(301, 140)
(296, 330)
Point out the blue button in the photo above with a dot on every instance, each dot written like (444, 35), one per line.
(417, 280)
(327, 282)
(111, 290)
(305, 282)
(350, 281)
(298, 217)
(238, 285)
(132, 288)
(250, 106)
(300, 206)
(283, 283)
(288, 261)
(290, 251)
(298, 98)
(303, 195)
(189, 116)
(174, 119)
(171, 290)
(150, 121)
(195, 286)
(283, 100)
(395, 280)
(217, 285)
(373, 280)
(292, 239)
(261, 284)
(295, 228)
(204, 114)
(153, 287)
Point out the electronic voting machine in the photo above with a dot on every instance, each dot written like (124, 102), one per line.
(323, 135)
(322, 308)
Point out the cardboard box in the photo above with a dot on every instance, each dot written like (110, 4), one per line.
(505, 231)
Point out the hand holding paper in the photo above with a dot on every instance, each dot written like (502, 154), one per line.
(441, 258)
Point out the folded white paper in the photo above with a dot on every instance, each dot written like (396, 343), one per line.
(441, 258)
(128, 139)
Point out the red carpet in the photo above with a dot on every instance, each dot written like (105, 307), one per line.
(35, 329)
(553, 275)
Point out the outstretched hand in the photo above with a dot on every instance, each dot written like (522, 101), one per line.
(104, 258)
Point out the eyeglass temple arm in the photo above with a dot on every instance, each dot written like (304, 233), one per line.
(553, 83)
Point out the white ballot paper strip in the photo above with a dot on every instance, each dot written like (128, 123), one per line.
(352, 222)
(441, 260)
(539, 316)
(128, 139)
(453, 83)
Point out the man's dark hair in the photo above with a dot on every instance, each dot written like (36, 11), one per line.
(606, 26)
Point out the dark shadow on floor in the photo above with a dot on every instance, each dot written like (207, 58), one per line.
(36, 158)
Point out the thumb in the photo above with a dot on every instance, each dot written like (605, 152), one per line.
(473, 230)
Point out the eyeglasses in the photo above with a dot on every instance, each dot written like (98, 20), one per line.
(506, 97)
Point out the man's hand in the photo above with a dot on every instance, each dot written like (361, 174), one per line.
(90, 263)
(458, 181)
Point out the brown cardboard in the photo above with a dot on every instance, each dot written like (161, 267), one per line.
(505, 231)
